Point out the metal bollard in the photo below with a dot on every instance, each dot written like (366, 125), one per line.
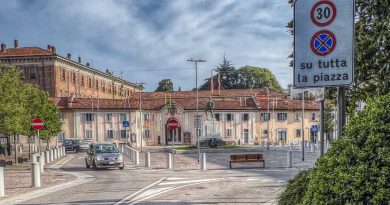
(203, 164)
(122, 148)
(51, 155)
(47, 157)
(41, 162)
(2, 182)
(35, 175)
(289, 158)
(147, 159)
(133, 155)
(55, 154)
(168, 161)
(291, 146)
(137, 157)
(34, 157)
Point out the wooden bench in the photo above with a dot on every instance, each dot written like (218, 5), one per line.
(238, 158)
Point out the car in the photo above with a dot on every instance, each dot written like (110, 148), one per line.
(104, 155)
(72, 145)
(83, 146)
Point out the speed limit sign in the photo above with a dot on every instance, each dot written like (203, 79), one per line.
(323, 13)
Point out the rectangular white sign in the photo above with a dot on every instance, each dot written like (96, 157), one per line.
(323, 43)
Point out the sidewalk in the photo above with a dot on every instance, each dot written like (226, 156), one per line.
(18, 179)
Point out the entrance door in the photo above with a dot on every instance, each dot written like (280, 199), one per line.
(246, 136)
(173, 136)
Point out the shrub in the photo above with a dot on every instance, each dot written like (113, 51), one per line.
(295, 189)
(356, 169)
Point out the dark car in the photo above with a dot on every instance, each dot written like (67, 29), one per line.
(72, 145)
(104, 155)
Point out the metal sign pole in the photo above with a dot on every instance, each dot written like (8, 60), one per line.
(322, 123)
(340, 110)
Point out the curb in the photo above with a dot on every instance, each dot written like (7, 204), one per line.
(80, 179)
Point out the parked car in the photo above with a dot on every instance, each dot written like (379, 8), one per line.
(72, 145)
(83, 146)
(104, 155)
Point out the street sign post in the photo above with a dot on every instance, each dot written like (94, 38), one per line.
(125, 123)
(38, 124)
(172, 123)
(323, 43)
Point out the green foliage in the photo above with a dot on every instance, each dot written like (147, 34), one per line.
(356, 170)
(165, 85)
(295, 189)
(243, 78)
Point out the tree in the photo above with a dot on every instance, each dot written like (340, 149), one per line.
(356, 169)
(165, 85)
(229, 77)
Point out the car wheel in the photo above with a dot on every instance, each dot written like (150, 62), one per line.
(94, 166)
(86, 164)
(122, 167)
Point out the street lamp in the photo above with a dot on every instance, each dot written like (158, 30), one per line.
(268, 117)
(303, 131)
(197, 102)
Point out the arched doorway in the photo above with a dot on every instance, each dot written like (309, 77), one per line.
(172, 136)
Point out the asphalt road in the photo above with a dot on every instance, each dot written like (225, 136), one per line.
(138, 185)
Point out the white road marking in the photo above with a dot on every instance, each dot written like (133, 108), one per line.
(253, 179)
(190, 181)
(139, 191)
(173, 178)
(151, 192)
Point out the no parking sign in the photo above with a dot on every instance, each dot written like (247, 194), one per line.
(323, 43)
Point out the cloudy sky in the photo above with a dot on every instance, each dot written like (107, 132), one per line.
(149, 40)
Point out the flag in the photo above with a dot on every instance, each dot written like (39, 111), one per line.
(212, 83)
(219, 82)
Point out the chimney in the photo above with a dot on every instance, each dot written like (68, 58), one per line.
(3, 47)
(79, 59)
(68, 56)
(16, 43)
(49, 48)
(53, 49)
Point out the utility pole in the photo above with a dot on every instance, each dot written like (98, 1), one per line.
(197, 102)
(268, 117)
(141, 85)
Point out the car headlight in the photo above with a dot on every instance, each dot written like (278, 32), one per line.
(98, 158)
(120, 158)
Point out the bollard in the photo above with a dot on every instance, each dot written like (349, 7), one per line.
(55, 154)
(34, 157)
(291, 146)
(51, 155)
(47, 157)
(58, 153)
(122, 148)
(289, 158)
(147, 159)
(312, 148)
(273, 145)
(41, 162)
(133, 155)
(136, 157)
(203, 164)
(169, 161)
(35, 175)
(300, 146)
(2, 184)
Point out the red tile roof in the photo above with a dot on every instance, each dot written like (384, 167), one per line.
(25, 51)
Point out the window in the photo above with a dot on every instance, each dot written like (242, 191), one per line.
(63, 75)
(229, 132)
(82, 81)
(199, 132)
(74, 78)
(123, 134)
(229, 117)
(103, 87)
(146, 116)
(298, 116)
(17, 138)
(146, 133)
(97, 84)
(282, 116)
(298, 133)
(123, 117)
(265, 116)
(245, 117)
(21, 72)
(90, 82)
(110, 134)
(114, 89)
(88, 134)
(108, 117)
(110, 88)
(61, 136)
(32, 139)
(313, 116)
(217, 117)
(62, 117)
(265, 133)
(88, 117)
(282, 134)
(32, 73)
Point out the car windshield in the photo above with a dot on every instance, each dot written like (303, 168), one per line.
(68, 142)
(105, 148)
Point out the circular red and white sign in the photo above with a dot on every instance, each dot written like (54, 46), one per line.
(323, 13)
(37, 124)
(323, 43)
(172, 123)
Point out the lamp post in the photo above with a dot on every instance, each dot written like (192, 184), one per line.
(197, 102)
(268, 117)
(303, 131)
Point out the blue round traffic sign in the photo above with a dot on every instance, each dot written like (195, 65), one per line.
(323, 42)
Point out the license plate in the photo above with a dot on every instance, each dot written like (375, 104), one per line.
(111, 162)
